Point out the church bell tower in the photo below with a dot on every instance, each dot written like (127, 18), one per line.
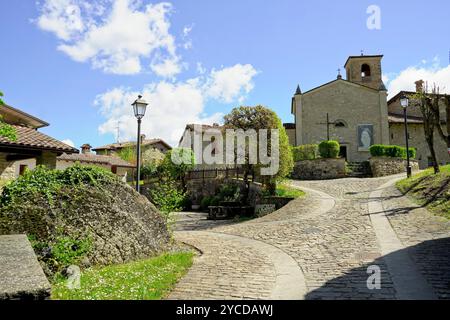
(365, 70)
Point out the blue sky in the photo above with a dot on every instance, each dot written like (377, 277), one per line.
(199, 58)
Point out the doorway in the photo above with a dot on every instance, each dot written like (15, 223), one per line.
(343, 152)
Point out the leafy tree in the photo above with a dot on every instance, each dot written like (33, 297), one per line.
(261, 118)
(429, 107)
(6, 130)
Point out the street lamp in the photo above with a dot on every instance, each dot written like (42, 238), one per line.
(139, 107)
(404, 101)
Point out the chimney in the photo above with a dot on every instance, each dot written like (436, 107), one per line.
(419, 86)
(86, 148)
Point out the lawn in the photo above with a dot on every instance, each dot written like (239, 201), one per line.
(284, 190)
(430, 190)
(151, 279)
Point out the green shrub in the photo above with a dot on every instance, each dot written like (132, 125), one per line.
(329, 149)
(49, 182)
(230, 193)
(167, 197)
(206, 202)
(60, 252)
(379, 150)
(305, 152)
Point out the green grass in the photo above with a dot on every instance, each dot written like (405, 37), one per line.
(289, 192)
(151, 279)
(430, 190)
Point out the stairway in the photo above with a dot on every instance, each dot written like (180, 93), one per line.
(359, 169)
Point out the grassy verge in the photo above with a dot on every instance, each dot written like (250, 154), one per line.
(151, 279)
(429, 190)
(284, 190)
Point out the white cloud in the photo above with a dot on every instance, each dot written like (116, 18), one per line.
(69, 143)
(171, 105)
(114, 35)
(431, 72)
(230, 83)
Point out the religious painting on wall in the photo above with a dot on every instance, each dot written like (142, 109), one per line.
(365, 137)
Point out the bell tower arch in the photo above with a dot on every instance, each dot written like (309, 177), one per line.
(365, 70)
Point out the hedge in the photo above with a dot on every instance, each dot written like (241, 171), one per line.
(329, 149)
(305, 152)
(380, 150)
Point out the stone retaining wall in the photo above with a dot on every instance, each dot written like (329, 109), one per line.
(21, 276)
(319, 169)
(382, 166)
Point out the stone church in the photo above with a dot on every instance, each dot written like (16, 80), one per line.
(356, 112)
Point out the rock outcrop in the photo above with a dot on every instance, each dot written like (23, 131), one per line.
(120, 224)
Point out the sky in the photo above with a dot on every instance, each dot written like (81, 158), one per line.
(79, 64)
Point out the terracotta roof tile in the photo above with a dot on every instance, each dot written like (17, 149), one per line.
(96, 159)
(114, 146)
(31, 138)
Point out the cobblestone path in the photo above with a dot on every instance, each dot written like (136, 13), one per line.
(327, 240)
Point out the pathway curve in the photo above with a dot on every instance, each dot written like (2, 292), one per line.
(318, 247)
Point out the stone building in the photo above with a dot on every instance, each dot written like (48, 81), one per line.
(415, 128)
(112, 163)
(147, 144)
(31, 148)
(355, 111)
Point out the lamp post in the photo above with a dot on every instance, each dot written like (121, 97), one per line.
(139, 107)
(404, 101)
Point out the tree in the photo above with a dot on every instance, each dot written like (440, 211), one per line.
(6, 130)
(444, 136)
(177, 162)
(428, 104)
(260, 118)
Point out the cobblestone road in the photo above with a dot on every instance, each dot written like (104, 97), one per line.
(330, 241)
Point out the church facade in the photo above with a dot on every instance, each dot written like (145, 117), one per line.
(355, 111)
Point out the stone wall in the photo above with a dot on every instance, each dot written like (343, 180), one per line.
(417, 140)
(7, 168)
(320, 169)
(21, 276)
(197, 189)
(382, 166)
(47, 159)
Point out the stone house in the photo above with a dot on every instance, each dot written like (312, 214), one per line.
(208, 134)
(415, 128)
(356, 112)
(86, 158)
(32, 147)
(147, 144)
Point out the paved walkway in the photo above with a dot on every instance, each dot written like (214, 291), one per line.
(320, 247)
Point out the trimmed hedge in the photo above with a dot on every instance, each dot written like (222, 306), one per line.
(305, 152)
(379, 150)
(329, 149)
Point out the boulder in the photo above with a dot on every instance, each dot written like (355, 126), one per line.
(120, 224)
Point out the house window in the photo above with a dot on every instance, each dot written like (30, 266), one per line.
(340, 124)
(365, 70)
(22, 169)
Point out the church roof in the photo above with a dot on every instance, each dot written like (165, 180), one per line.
(298, 91)
(362, 57)
(331, 82)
